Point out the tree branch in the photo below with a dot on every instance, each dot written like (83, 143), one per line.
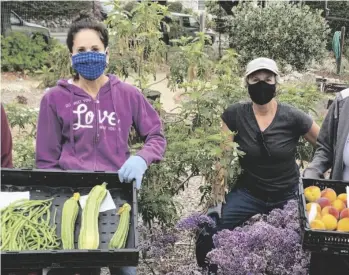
(183, 182)
(156, 82)
(150, 267)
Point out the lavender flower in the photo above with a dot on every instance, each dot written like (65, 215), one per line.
(267, 244)
(194, 222)
(158, 241)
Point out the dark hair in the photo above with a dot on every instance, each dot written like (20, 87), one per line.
(86, 21)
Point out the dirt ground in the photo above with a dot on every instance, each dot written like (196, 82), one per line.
(14, 85)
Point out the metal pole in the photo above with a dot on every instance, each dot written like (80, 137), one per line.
(327, 11)
(341, 50)
(202, 21)
(220, 28)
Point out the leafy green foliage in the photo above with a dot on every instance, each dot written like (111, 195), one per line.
(303, 96)
(22, 120)
(269, 31)
(59, 66)
(176, 6)
(129, 6)
(44, 9)
(193, 135)
(195, 60)
(19, 52)
(136, 44)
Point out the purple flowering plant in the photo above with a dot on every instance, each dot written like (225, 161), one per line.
(195, 222)
(264, 245)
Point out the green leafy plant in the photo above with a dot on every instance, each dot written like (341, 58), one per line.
(136, 43)
(22, 120)
(59, 66)
(176, 6)
(129, 6)
(257, 31)
(193, 135)
(20, 52)
(196, 61)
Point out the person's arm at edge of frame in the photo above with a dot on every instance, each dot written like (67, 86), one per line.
(6, 141)
(323, 156)
(49, 136)
(313, 134)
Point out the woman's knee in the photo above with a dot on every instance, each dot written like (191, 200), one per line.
(239, 207)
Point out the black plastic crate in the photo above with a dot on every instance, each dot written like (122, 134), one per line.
(60, 185)
(321, 241)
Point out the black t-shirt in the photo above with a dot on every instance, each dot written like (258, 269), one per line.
(269, 163)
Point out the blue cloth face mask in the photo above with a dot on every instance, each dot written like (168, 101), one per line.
(90, 65)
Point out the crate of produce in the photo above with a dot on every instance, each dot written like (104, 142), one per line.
(56, 187)
(324, 216)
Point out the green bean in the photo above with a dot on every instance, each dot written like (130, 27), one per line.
(25, 225)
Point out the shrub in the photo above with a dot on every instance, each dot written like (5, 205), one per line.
(291, 34)
(22, 120)
(20, 52)
(175, 6)
(129, 6)
(58, 66)
(43, 10)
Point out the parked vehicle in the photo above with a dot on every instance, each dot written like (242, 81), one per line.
(32, 30)
(181, 24)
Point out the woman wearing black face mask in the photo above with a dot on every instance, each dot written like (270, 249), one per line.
(268, 132)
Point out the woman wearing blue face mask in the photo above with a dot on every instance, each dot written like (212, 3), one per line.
(84, 122)
(268, 132)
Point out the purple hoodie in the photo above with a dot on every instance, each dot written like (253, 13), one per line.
(76, 132)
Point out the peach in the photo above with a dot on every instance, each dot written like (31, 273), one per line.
(323, 202)
(343, 197)
(338, 204)
(344, 213)
(343, 225)
(312, 193)
(329, 193)
(308, 206)
(329, 221)
(317, 225)
(331, 211)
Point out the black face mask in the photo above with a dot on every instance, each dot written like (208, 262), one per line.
(261, 92)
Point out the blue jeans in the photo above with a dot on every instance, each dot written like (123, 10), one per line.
(126, 270)
(241, 204)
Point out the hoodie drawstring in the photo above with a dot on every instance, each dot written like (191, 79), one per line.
(71, 117)
(116, 117)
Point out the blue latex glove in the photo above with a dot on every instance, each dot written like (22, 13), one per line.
(133, 169)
